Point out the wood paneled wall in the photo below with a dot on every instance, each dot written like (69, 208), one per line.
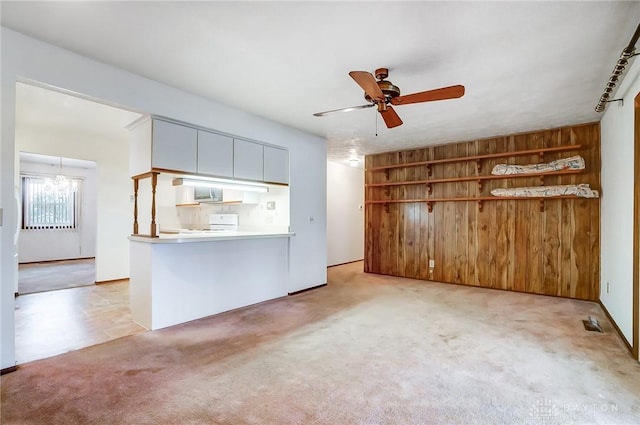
(511, 244)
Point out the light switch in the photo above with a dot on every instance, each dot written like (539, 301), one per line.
(271, 205)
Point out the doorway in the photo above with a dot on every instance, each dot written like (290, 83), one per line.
(85, 141)
(57, 241)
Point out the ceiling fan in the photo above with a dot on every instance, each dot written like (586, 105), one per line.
(382, 93)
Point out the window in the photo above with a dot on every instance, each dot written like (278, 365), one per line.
(50, 203)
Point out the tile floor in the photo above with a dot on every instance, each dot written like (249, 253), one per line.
(51, 323)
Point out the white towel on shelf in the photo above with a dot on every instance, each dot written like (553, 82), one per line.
(580, 190)
(571, 163)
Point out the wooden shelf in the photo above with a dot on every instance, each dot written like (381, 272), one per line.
(476, 178)
(478, 199)
(478, 158)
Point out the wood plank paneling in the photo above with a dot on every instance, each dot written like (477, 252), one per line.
(510, 244)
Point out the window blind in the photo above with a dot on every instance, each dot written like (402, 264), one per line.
(49, 203)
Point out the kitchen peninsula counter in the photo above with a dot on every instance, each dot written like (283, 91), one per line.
(180, 277)
(208, 236)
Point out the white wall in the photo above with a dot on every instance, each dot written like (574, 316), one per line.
(28, 59)
(345, 213)
(62, 244)
(616, 222)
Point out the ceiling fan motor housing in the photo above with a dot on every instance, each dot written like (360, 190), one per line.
(390, 91)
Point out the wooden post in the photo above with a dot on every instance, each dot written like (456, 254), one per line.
(135, 205)
(154, 184)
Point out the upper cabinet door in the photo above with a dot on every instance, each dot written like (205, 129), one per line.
(174, 147)
(247, 160)
(276, 165)
(215, 154)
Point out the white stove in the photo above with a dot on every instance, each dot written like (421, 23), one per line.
(222, 222)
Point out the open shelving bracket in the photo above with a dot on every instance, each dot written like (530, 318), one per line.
(480, 186)
(480, 205)
(541, 205)
(429, 188)
(428, 169)
(478, 166)
(429, 206)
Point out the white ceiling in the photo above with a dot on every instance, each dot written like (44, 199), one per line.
(56, 161)
(49, 110)
(525, 65)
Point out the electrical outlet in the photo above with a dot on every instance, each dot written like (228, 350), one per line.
(432, 263)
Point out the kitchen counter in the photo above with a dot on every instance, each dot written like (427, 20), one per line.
(208, 236)
(185, 276)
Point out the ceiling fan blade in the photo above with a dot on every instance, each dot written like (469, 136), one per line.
(368, 83)
(390, 117)
(430, 95)
(351, 108)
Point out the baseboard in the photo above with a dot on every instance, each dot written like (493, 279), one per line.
(348, 262)
(307, 289)
(57, 261)
(8, 370)
(103, 282)
(615, 325)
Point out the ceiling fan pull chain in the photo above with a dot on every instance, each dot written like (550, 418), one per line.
(376, 119)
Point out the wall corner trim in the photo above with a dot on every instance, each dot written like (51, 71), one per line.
(615, 325)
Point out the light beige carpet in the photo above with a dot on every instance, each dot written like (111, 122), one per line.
(366, 349)
(54, 275)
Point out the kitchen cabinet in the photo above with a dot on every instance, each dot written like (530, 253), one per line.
(276, 165)
(174, 147)
(248, 160)
(158, 145)
(215, 154)
(184, 196)
(240, 197)
(162, 145)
